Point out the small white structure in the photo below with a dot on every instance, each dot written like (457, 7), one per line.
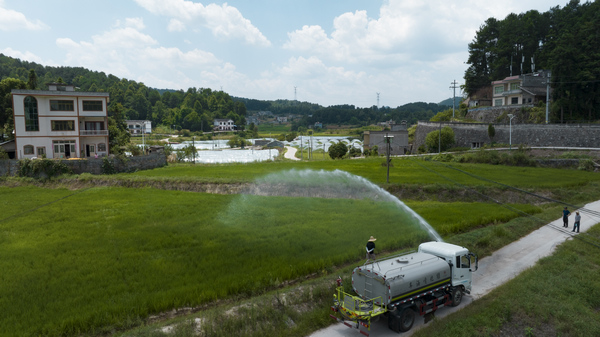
(60, 122)
(139, 127)
(223, 125)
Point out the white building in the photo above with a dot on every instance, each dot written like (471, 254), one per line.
(139, 127)
(223, 125)
(60, 122)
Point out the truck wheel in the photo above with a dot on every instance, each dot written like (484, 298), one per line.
(456, 296)
(401, 320)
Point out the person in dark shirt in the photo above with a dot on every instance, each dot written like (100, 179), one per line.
(566, 214)
(371, 249)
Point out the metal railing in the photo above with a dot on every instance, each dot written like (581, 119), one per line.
(93, 132)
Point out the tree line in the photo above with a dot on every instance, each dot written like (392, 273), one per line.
(564, 40)
(194, 109)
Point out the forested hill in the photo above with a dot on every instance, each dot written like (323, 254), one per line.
(193, 109)
(564, 40)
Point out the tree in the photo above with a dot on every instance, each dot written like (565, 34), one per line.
(432, 140)
(491, 132)
(32, 82)
(338, 151)
(118, 135)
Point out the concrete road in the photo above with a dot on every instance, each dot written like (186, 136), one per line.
(291, 153)
(494, 270)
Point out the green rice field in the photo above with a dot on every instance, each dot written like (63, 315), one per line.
(94, 260)
(404, 171)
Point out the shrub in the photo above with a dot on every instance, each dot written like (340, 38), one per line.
(338, 151)
(432, 140)
(42, 168)
(107, 166)
(3, 154)
(354, 152)
(586, 165)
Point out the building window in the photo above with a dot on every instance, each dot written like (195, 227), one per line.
(92, 105)
(31, 114)
(514, 86)
(28, 149)
(514, 100)
(94, 125)
(61, 105)
(63, 126)
(41, 151)
(498, 102)
(498, 90)
(101, 147)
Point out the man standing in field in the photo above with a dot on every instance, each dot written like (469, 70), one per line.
(371, 249)
(566, 214)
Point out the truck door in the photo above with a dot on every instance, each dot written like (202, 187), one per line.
(461, 274)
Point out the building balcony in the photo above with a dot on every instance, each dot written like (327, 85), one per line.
(93, 132)
(512, 92)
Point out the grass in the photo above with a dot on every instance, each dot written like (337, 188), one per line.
(404, 171)
(304, 313)
(105, 258)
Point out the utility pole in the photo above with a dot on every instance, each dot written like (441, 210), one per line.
(377, 100)
(388, 141)
(547, 94)
(453, 96)
(440, 139)
(194, 149)
(295, 97)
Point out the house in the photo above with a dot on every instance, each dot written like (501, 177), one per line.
(482, 97)
(252, 119)
(60, 122)
(399, 141)
(138, 127)
(281, 119)
(223, 125)
(520, 89)
(318, 125)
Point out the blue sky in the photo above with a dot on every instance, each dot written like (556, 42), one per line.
(332, 51)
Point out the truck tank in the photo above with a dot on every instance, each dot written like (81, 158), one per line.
(400, 277)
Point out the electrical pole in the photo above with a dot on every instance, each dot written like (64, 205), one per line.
(453, 96)
(377, 100)
(295, 97)
(547, 94)
(388, 141)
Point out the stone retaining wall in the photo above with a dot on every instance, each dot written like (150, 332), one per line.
(557, 135)
(94, 166)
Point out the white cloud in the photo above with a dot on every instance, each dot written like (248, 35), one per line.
(175, 26)
(26, 56)
(224, 21)
(11, 20)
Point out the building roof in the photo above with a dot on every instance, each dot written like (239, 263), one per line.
(58, 93)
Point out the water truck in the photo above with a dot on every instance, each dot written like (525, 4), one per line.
(399, 287)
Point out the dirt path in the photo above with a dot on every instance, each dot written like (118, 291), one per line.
(495, 270)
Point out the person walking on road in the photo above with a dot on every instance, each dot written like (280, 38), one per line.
(577, 220)
(371, 249)
(566, 214)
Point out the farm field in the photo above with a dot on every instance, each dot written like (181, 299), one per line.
(105, 258)
(404, 171)
(102, 259)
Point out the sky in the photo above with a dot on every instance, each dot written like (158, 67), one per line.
(359, 52)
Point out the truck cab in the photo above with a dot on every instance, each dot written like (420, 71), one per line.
(462, 261)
